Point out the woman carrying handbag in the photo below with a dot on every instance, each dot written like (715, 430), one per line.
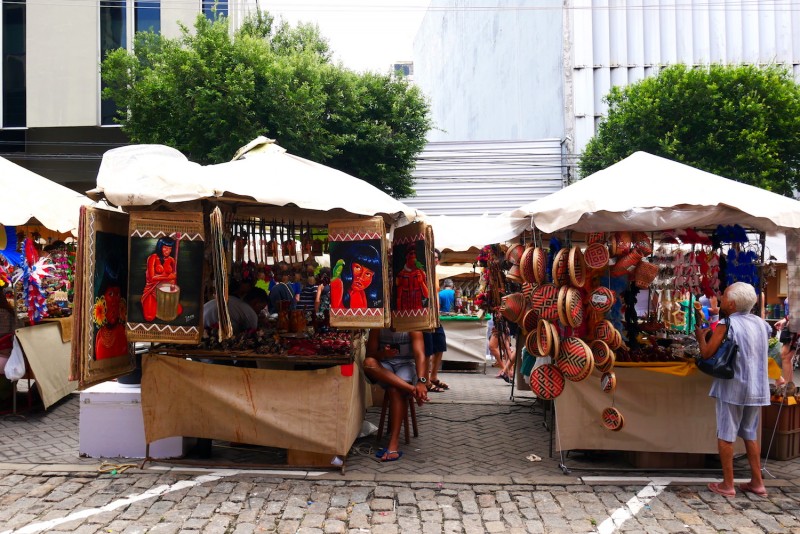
(739, 399)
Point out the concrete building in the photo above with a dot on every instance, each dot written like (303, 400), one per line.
(52, 119)
(528, 70)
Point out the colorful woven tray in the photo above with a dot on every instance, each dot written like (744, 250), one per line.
(575, 359)
(608, 382)
(596, 256)
(547, 381)
(544, 338)
(561, 267)
(544, 300)
(573, 307)
(612, 419)
(577, 267)
(601, 300)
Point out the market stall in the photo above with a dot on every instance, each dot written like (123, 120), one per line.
(599, 246)
(38, 218)
(295, 382)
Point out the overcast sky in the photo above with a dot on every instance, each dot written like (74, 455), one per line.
(363, 34)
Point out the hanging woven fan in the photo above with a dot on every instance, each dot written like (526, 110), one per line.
(547, 381)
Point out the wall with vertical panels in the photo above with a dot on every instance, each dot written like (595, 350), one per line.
(622, 41)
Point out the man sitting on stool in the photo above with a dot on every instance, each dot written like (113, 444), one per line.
(396, 360)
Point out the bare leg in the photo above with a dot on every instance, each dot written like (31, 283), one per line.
(786, 362)
(726, 459)
(397, 414)
(436, 363)
(754, 458)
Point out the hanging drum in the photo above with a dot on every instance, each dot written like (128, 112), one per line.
(577, 267)
(608, 382)
(601, 300)
(544, 300)
(612, 419)
(596, 256)
(561, 267)
(547, 381)
(539, 265)
(575, 359)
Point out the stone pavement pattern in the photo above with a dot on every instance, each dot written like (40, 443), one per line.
(86, 503)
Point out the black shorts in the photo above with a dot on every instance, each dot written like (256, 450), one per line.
(435, 341)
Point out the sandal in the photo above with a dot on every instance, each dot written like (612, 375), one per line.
(748, 488)
(433, 388)
(714, 486)
(440, 384)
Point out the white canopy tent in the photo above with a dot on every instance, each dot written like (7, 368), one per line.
(459, 233)
(33, 199)
(140, 175)
(649, 193)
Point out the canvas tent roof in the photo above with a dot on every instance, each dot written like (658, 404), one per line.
(648, 193)
(460, 233)
(140, 175)
(31, 199)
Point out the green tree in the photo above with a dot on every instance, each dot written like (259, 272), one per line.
(741, 122)
(208, 92)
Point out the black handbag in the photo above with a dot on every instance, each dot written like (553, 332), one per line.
(723, 363)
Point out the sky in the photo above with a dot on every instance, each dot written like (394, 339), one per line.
(363, 34)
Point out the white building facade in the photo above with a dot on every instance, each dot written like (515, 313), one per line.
(52, 119)
(537, 69)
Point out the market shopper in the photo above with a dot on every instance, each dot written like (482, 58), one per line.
(308, 294)
(396, 361)
(436, 341)
(500, 349)
(788, 341)
(739, 399)
(243, 312)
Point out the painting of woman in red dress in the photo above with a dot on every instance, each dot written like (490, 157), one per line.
(109, 316)
(161, 269)
(411, 282)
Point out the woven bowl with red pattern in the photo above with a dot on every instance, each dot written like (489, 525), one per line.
(512, 306)
(596, 256)
(608, 382)
(514, 253)
(544, 338)
(526, 266)
(575, 359)
(595, 237)
(529, 321)
(544, 300)
(612, 419)
(539, 265)
(573, 308)
(577, 267)
(547, 381)
(561, 267)
(601, 300)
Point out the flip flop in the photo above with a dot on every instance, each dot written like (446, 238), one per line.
(441, 384)
(747, 488)
(398, 453)
(380, 452)
(714, 486)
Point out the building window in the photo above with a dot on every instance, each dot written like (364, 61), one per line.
(215, 8)
(13, 73)
(147, 16)
(113, 35)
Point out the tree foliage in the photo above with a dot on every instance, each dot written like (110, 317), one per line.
(740, 122)
(208, 92)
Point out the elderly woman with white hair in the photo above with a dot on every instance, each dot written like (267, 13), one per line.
(740, 398)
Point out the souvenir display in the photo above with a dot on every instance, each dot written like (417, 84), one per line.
(165, 277)
(100, 347)
(414, 305)
(547, 381)
(359, 277)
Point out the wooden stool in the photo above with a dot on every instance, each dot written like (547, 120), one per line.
(411, 409)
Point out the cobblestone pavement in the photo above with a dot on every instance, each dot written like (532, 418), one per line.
(220, 502)
(470, 470)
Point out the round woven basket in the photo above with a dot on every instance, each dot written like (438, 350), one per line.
(562, 305)
(514, 253)
(608, 382)
(544, 300)
(539, 265)
(577, 267)
(626, 264)
(596, 256)
(575, 359)
(527, 290)
(595, 237)
(642, 243)
(512, 306)
(604, 331)
(529, 321)
(547, 381)
(612, 419)
(514, 274)
(544, 338)
(600, 351)
(556, 341)
(530, 343)
(561, 267)
(601, 300)
(526, 266)
(573, 308)
(621, 243)
(644, 274)
(608, 364)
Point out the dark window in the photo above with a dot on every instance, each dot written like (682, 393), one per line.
(148, 16)
(215, 8)
(14, 102)
(112, 36)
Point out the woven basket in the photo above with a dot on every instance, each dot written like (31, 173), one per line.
(626, 264)
(544, 300)
(596, 256)
(577, 267)
(514, 274)
(644, 274)
(595, 237)
(513, 306)
(561, 267)
(530, 343)
(612, 419)
(573, 308)
(526, 266)
(514, 253)
(601, 352)
(562, 305)
(539, 265)
(575, 359)
(608, 363)
(529, 321)
(608, 382)
(621, 243)
(547, 381)
(544, 338)
(642, 243)
(601, 300)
